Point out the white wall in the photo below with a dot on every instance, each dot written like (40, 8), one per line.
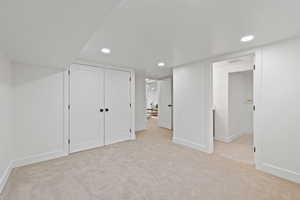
(39, 113)
(220, 101)
(277, 114)
(192, 106)
(140, 101)
(6, 120)
(240, 107)
(276, 119)
(221, 72)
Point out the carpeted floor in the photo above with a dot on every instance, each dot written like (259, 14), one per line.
(240, 149)
(150, 168)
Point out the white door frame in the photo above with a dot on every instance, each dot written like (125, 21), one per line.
(256, 93)
(66, 113)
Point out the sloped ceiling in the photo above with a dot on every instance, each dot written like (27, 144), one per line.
(49, 32)
(140, 32)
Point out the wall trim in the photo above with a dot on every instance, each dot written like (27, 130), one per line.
(140, 130)
(230, 138)
(221, 139)
(38, 158)
(280, 172)
(233, 137)
(5, 176)
(66, 103)
(190, 144)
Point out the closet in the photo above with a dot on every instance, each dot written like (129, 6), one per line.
(100, 107)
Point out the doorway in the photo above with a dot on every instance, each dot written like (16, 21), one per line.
(159, 106)
(233, 109)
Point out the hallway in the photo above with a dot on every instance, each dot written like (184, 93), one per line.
(149, 168)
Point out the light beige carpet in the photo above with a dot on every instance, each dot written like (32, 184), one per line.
(150, 168)
(240, 149)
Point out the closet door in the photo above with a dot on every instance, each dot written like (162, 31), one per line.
(117, 104)
(86, 100)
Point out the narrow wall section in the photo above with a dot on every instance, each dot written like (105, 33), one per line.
(140, 101)
(6, 120)
(277, 114)
(193, 106)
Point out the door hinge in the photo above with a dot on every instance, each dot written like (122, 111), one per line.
(69, 107)
(254, 108)
(69, 72)
(130, 105)
(254, 149)
(129, 130)
(254, 67)
(69, 141)
(129, 79)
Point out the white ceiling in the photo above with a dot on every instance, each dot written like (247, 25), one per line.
(49, 32)
(143, 32)
(140, 32)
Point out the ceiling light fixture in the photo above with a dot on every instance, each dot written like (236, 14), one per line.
(105, 50)
(247, 38)
(161, 64)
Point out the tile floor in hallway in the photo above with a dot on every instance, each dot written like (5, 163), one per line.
(149, 168)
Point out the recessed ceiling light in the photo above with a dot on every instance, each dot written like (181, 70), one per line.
(247, 38)
(105, 50)
(161, 64)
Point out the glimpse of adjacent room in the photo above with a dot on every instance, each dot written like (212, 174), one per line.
(152, 95)
(159, 102)
(233, 109)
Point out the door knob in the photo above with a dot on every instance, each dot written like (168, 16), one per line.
(106, 109)
(101, 110)
(170, 105)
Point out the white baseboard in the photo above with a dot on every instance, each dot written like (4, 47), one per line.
(229, 138)
(133, 136)
(38, 158)
(233, 137)
(221, 139)
(4, 178)
(190, 144)
(280, 172)
(27, 161)
(84, 146)
(141, 129)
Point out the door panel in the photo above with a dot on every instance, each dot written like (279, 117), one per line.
(165, 104)
(86, 99)
(117, 100)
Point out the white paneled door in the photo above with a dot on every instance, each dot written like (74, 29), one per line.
(165, 104)
(86, 100)
(117, 105)
(100, 107)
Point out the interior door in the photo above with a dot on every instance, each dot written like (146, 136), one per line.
(86, 100)
(165, 104)
(117, 105)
